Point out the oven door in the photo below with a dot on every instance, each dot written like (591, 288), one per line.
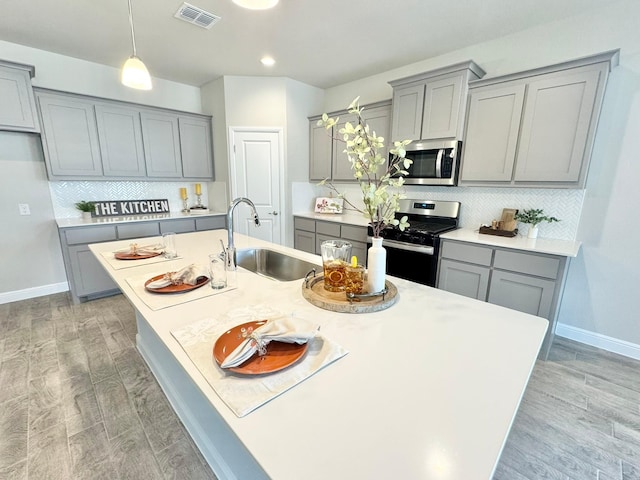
(416, 263)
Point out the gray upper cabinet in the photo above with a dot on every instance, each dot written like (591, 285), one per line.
(69, 137)
(196, 147)
(88, 138)
(18, 111)
(121, 146)
(431, 105)
(326, 153)
(161, 138)
(320, 151)
(492, 132)
(535, 128)
(340, 164)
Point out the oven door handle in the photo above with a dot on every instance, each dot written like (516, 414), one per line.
(405, 246)
(439, 163)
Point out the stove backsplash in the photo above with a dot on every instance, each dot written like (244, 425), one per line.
(480, 205)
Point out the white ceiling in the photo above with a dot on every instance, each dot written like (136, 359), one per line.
(318, 42)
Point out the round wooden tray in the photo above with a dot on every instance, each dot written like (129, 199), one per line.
(313, 291)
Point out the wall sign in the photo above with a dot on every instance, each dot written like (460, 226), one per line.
(113, 208)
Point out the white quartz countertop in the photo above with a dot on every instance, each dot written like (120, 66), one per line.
(428, 390)
(80, 222)
(565, 248)
(346, 218)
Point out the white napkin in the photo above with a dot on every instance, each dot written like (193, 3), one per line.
(134, 248)
(189, 275)
(280, 329)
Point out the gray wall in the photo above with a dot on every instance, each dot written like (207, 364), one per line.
(29, 245)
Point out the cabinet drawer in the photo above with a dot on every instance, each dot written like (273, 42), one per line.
(467, 253)
(328, 228)
(539, 265)
(304, 224)
(136, 230)
(357, 234)
(90, 234)
(184, 225)
(211, 223)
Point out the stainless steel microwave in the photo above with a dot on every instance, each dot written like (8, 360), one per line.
(435, 162)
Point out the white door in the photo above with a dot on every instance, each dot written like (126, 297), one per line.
(256, 166)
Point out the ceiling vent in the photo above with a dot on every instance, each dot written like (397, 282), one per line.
(197, 16)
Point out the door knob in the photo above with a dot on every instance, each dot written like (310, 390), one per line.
(273, 213)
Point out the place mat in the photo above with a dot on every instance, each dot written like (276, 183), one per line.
(158, 301)
(245, 393)
(120, 264)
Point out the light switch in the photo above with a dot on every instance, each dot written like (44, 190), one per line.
(24, 209)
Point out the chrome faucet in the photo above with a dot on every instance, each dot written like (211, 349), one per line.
(230, 251)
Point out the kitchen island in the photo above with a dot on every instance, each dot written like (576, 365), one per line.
(428, 390)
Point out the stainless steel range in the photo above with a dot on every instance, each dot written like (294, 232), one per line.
(412, 254)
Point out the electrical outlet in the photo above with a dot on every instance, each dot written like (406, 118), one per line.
(24, 209)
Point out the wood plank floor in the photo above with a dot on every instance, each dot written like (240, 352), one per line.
(78, 402)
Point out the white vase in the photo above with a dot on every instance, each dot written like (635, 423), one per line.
(533, 232)
(86, 215)
(376, 266)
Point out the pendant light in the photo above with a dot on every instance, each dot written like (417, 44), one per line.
(134, 72)
(256, 4)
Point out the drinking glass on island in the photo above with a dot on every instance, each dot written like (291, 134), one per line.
(354, 277)
(335, 258)
(218, 272)
(169, 243)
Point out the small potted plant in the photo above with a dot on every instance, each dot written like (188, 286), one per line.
(533, 217)
(86, 208)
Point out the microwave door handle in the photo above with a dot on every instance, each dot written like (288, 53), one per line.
(439, 163)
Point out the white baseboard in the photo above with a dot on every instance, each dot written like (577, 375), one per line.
(598, 340)
(33, 292)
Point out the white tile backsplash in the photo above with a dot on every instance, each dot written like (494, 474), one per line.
(65, 194)
(480, 205)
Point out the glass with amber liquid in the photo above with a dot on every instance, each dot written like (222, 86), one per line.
(335, 258)
(354, 279)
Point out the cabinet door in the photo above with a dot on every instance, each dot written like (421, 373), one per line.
(464, 279)
(183, 225)
(88, 275)
(211, 223)
(379, 121)
(442, 108)
(16, 97)
(408, 107)
(70, 137)
(557, 118)
(196, 147)
(321, 145)
(340, 164)
(492, 133)
(161, 139)
(305, 241)
(521, 292)
(120, 135)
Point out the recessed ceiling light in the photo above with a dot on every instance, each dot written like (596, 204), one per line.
(267, 61)
(256, 4)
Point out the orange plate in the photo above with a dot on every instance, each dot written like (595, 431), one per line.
(279, 354)
(185, 287)
(135, 256)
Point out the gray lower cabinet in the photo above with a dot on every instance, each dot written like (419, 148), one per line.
(309, 235)
(87, 278)
(524, 281)
(18, 106)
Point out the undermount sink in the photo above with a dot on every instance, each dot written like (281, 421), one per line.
(274, 265)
